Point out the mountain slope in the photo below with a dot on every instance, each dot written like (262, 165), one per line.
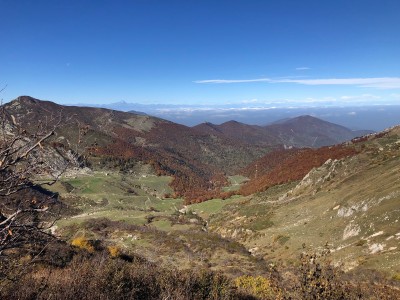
(349, 205)
(303, 131)
(308, 131)
(250, 134)
(285, 166)
(197, 161)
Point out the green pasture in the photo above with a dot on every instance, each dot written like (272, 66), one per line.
(235, 183)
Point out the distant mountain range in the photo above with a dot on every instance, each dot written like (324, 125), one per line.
(302, 131)
(373, 117)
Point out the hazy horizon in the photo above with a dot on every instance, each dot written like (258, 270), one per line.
(355, 117)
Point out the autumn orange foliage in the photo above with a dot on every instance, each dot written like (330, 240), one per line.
(285, 166)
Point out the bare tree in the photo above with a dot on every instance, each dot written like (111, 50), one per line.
(26, 211)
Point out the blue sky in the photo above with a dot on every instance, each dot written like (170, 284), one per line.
(249, 52)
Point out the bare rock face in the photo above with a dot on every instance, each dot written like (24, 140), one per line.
(315, 179)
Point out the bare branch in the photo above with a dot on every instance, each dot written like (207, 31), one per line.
(18, 212)
(22, 156)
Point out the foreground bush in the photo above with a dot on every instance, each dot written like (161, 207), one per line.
(83, 243)
(259, 286)
(100, 277)
(76, 273)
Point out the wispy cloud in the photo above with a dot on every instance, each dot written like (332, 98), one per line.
(233, 80)
(361, 97)
(251, 101)
(302, 68)
(377, 82)
(395, 96)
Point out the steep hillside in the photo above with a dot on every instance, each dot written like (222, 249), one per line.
(285, 166)
(350, 205)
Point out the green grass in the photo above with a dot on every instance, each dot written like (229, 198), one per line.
(235, 182)
(116, 196)
(162, 225)
(171, 237)
(214, 206)
(261, 223)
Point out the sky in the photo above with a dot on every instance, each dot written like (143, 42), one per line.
(209, 52)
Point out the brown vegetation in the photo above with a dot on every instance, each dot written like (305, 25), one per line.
(284, 166)
(104, 275)
(100, 277)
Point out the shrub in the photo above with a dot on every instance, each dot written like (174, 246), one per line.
(319, 279)
(114, 251)
(257, 286)
(99, 277)
(396, 277)
(83, 243)
(361, 242)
